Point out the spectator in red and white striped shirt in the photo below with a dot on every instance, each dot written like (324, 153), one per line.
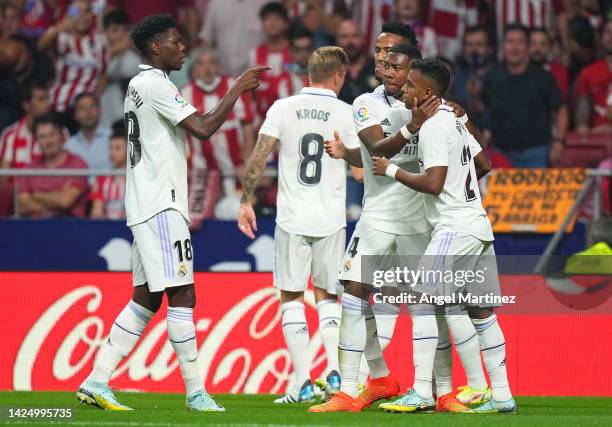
(293, 80)
(274, 52)
(107, 196)
(224, 153)
(17, 145)
(81, 55)
(44, 196)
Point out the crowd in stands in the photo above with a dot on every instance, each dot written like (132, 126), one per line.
(534, 75)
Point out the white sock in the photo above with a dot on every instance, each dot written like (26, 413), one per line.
(466, 344)
(493, 347)
(329, 328)
(124, 335)
(381, 327)
(443, 362)
(182, 336)
(295, 330)
(386, 316)
(424, 343)
(352, 342)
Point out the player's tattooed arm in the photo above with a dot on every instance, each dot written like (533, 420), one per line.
(337, 150)
(256, 165)
(430, 182)
(203, 126)
(247, 222)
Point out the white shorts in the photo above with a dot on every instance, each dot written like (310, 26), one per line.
(463, 255)
(297, 257)
(162, 255)
(367, 241)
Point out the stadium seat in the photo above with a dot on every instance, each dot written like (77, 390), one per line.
(586, 150)
(6, 200)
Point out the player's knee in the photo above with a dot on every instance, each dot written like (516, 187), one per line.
(480, 312)
(182, 296)
(359, 290)
(288, 296)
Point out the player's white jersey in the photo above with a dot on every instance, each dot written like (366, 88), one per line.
(311, 185)
(445, 141)
(388, 205)
(157, 162)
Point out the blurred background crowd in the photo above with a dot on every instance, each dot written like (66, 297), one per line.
(534, 75)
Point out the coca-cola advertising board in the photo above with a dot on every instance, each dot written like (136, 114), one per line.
(54, 323)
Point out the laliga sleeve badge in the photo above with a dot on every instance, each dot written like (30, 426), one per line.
(347, 265)
(182, 271)
(362, 113)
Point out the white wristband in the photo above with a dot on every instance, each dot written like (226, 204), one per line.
(405, 132)
(464, 119)
(391, 170)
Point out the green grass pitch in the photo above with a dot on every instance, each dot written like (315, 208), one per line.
(153, 409)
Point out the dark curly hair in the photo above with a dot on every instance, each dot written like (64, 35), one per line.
(150, 28)
(435, 70)
(402, 30)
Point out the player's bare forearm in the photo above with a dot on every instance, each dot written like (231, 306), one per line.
(430, 182)
(256, 166)
(203, 126)
(482, 165)
(353, 157)
(389, 146)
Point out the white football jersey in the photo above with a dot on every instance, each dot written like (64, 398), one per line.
(388, 205)
(311, 197)
(445, 141)
(157, 162)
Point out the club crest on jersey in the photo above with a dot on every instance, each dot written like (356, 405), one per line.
(182, 271)
(347, 265)
(179, 99)
(362, 113)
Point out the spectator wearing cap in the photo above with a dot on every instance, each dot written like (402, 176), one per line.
(90, 142)
(594, 90)
(46, 196)
(122, 65)
(525, 105)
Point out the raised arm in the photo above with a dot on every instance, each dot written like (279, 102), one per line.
(252, 174)
(203, 126)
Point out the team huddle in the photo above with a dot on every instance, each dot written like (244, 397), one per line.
(421, 163)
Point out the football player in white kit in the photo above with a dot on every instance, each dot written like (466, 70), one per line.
(310, 230)
(392, 222)
(156, 207)
(462, 239)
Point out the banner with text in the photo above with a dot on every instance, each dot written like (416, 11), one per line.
(532, 200)
(54, 324)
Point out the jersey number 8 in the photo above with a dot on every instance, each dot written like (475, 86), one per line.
(310, 164)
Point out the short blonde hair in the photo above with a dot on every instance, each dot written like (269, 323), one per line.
(325, 62)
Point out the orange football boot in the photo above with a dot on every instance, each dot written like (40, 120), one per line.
(377, 389)
(339, 402)
(450, 403)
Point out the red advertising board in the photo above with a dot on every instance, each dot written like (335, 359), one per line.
(54, 323)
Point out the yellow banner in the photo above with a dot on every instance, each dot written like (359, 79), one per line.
(532, 200)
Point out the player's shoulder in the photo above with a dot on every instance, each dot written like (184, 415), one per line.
(439, 122)
(376, 96)
(149, 77)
